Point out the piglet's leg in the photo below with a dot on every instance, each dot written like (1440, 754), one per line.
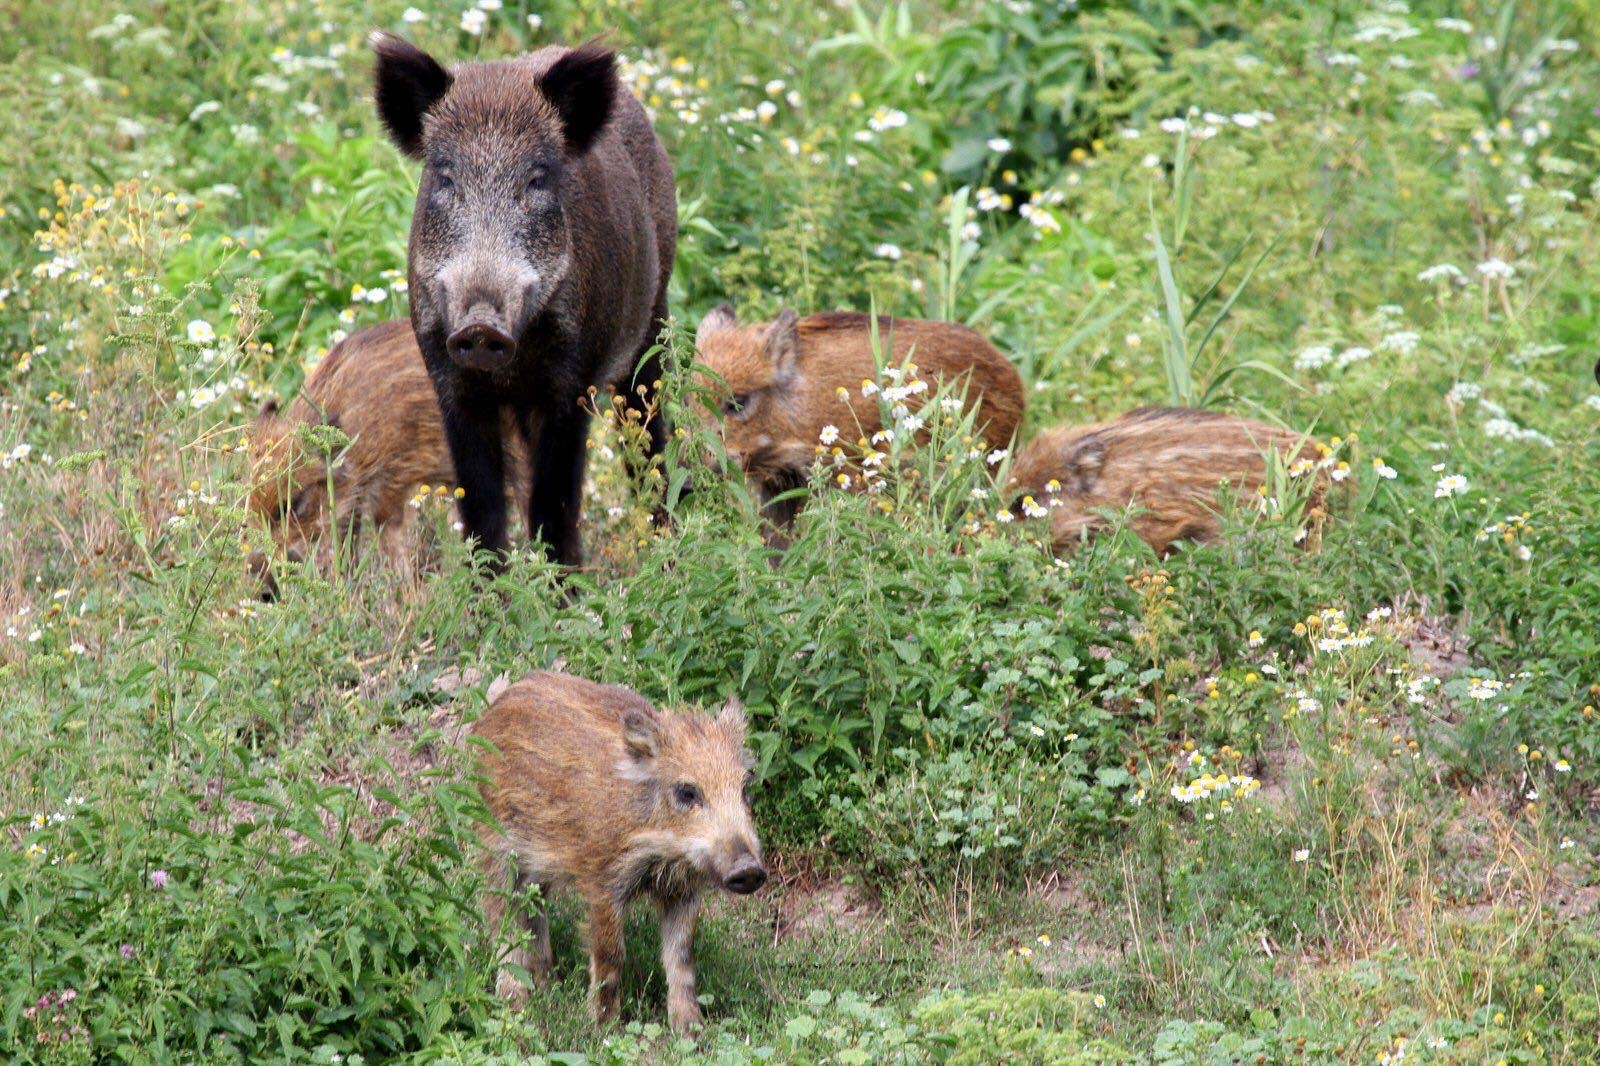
(540, 959)
(506, 985)
(605, 956)
(678, 918)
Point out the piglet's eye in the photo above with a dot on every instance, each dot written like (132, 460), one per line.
(736, 404)
(686, 796)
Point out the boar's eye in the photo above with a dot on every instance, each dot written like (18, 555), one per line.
(686, 796)
(538, 180)
(443, 182)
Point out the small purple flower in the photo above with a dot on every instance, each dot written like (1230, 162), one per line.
(158, 879)
(1465, 71)
(126, 951)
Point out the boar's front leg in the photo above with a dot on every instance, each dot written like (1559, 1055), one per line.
(605, 955)
(473, 434)
(557, 495)
(678, 918)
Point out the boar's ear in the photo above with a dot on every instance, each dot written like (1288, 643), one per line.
(783, 344)
(406, 83)
(731, 716)
(641, 732)
(717, 319)
(581, 86)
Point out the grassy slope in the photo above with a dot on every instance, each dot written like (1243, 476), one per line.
(968, 754)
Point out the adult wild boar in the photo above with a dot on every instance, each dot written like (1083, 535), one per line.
(1166, 462)
(542, 240)
(595, 788)
(374, 389)
(783, 380)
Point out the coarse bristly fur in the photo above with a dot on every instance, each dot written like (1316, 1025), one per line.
(541, 245)
(596, 789)
(783, 379)
(373, 388)
(1167, 463)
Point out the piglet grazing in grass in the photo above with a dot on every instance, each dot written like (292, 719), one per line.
(596, 789)
(790, 384)
(1166, 463)
(373, 389)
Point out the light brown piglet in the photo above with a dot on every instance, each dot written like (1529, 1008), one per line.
(374, 389)
(597, 789)
(784, 379)
(1166, 463)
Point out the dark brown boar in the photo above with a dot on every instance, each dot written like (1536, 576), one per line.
(595, 788)
(784, 379)
(1166, 462)
(374, 389)
(541, 244)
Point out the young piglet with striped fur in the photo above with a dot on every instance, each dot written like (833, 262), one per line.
(1164, 464)
(597, 789)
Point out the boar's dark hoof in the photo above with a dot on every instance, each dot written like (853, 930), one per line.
(480, 347)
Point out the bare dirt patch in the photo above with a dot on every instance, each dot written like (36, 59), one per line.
(808, 903)
(1072, 944)
(1437, 643)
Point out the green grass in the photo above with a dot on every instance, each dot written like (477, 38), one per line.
(245, 832)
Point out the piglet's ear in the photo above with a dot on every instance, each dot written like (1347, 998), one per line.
(732, 716)
(783, 344)
(718, 319)
(581, 86)
(270, 408)
(641, 732)
(406, 84)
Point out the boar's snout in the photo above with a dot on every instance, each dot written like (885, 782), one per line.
(746, 876)
(481, 344)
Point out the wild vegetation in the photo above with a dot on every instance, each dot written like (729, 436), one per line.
(1258, 801)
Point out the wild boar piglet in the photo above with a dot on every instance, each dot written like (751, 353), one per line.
(596, 789)
(374, 389)
(1167, 463)
(783, 380)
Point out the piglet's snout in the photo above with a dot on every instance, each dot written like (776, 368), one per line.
(746, 876)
